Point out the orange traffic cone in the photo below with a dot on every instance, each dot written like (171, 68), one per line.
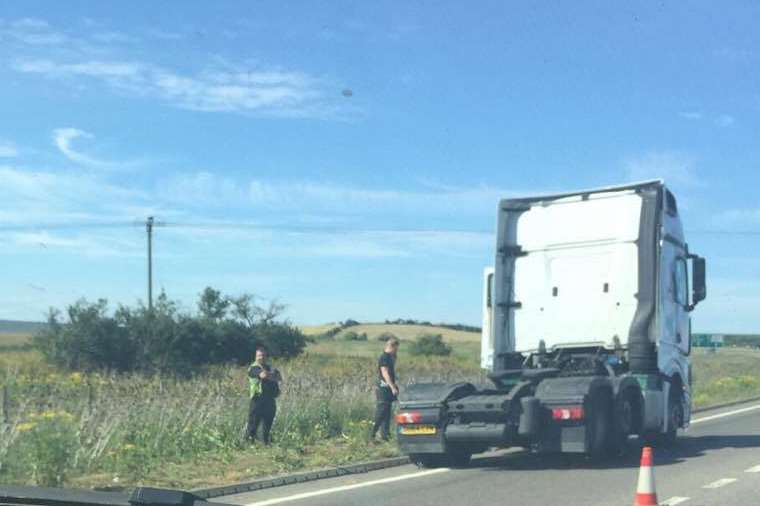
(645, 492)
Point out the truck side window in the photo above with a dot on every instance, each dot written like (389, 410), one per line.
(681, 282)
(489, 297)
(670, 204)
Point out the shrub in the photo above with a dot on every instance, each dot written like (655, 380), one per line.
(430, 344)
(385, 336)
(224, 330)
(354, 336)
(50, 441)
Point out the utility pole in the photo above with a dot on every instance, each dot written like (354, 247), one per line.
(149, 230)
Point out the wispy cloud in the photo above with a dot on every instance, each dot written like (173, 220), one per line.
(722, 120)
(63, 139)
(317, 197)
(8, 149)
(29, 197)
(101, 57)
(739, 219)
(725, 120)
(691, 115)
(674, 167)
(230, 89)
(31, 31)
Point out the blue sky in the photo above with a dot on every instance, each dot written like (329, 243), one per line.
(342, 129)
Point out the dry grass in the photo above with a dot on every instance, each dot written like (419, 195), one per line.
(408, 332)
(14, 339)
(728, 374)
(313, 330)
(186, 433)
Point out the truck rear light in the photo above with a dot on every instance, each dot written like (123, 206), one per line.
(408, 417)
(570, 413)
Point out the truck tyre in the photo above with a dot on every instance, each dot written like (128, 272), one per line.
(458, 457)
(429, 460)
(675, 414)
(626, 416)
(599, 426)
(675, 420)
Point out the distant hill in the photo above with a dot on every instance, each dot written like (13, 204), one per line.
(20, 327)
(402, 331)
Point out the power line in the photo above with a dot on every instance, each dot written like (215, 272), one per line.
(66, 226)
(290, 227)
(725, 232)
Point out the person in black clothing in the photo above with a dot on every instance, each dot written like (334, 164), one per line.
(387, 389)
(265, 387)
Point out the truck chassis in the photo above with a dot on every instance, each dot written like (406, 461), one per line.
(570, 399)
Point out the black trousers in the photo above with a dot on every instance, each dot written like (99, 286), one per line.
(383, 410)
(261, 412)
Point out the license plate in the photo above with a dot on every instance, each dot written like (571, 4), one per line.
(418, 430)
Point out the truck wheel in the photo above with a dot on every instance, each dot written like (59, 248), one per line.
(675, 415)
(625, 421)
(675, 420)
(599, 426)
(429, 460)
(459, 457)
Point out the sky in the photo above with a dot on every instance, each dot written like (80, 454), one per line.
(347, 158)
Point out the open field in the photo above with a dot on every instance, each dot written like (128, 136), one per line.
(14, 339)
(102, 429)
(401, 331)
(97, 429)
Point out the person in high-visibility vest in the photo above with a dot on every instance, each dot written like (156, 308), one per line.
(264, 388)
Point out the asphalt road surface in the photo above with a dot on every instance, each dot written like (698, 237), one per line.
(715, 463)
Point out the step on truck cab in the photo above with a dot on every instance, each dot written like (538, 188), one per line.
(586, 332)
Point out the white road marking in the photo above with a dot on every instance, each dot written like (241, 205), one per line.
(674, 500)
(678, 500)
(727, 413)
(720, 483)
(316, 493)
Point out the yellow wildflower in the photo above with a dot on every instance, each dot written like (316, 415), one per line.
(25, 427)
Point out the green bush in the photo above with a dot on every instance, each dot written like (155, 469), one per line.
(354, 336)
(385, 336)
(225, 330)
(429, 345)
(49, 440)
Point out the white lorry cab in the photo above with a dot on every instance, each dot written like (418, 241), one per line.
(586, 331)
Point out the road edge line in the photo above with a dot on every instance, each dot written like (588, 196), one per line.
(304, 477)
(353, 486)
(726, 405)
(358, 468)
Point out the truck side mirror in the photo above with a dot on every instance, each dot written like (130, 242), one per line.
(698, 283)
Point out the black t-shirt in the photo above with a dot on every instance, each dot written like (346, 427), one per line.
(389, 361)
(269, 388)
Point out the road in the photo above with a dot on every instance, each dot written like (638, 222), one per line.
(717, 462)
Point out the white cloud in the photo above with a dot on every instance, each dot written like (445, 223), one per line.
(315, 198)
(675, 168)
(32, 32)
(725, 120)
(8, 149)
(236, 89)
(215, 85)
(63, 139)
(29, 197)
(691, 115)
(736, 219)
